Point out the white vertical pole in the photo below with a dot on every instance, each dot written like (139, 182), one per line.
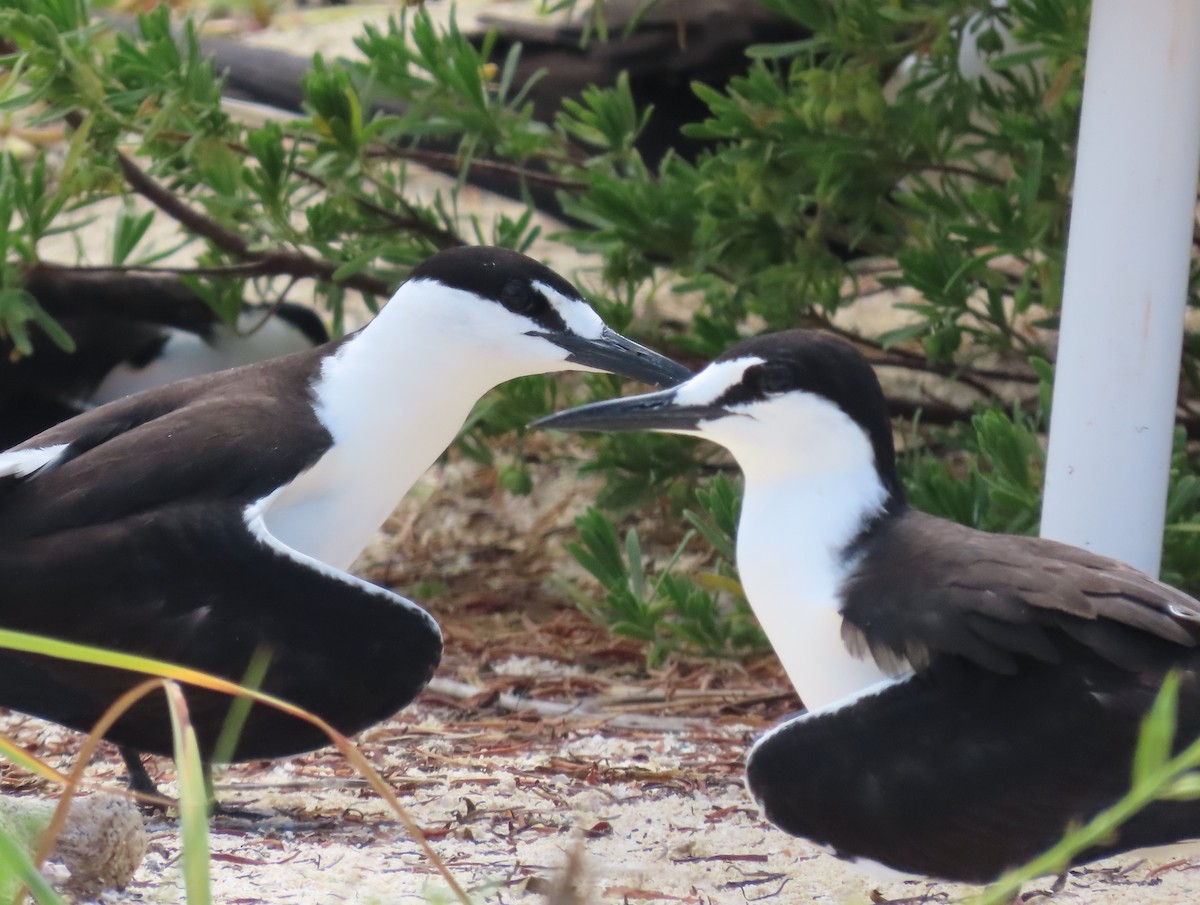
(1126, 280)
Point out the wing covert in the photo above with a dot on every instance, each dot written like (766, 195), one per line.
(196, 586)
(1001, 600)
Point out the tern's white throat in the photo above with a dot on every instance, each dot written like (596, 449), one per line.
(394, 397)
(811, 486)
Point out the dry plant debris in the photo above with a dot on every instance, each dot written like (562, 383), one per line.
(546, 763)
(544, 744)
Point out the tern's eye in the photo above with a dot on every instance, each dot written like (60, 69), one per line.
(518, 296)
(775, 378)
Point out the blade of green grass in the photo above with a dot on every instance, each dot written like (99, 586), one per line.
(22, 758)
(239, 710)
(52, 647)
(83, 758)
(1150, 783)
(193, 800)
(15, 863)
(1158, 732)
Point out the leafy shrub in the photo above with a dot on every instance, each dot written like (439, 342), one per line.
(868, 154)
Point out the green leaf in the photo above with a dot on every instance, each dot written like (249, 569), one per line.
(516, 479)
(17, 865)
(600, 553)
(637, 574)
(52, 328)
(239, 708)
(129, 229)
(1158, 732)
(193, 800)
(1184, 788)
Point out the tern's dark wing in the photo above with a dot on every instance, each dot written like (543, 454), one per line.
(996, 600)
(202, 586)
(962, 773)
(133, 527)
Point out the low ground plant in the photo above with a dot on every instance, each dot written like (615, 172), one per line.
(924, 149)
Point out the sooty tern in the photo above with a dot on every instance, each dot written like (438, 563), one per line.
(969, 695)
(213, 517)
(117, 354)
(172, 353)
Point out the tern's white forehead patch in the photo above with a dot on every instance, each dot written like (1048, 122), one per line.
(580, 318)
(712, 383)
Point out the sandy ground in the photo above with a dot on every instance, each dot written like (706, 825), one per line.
(639, 784)
(641, 778)
(656, 815)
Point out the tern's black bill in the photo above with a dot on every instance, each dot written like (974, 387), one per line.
(651, 411)
(613, 352)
